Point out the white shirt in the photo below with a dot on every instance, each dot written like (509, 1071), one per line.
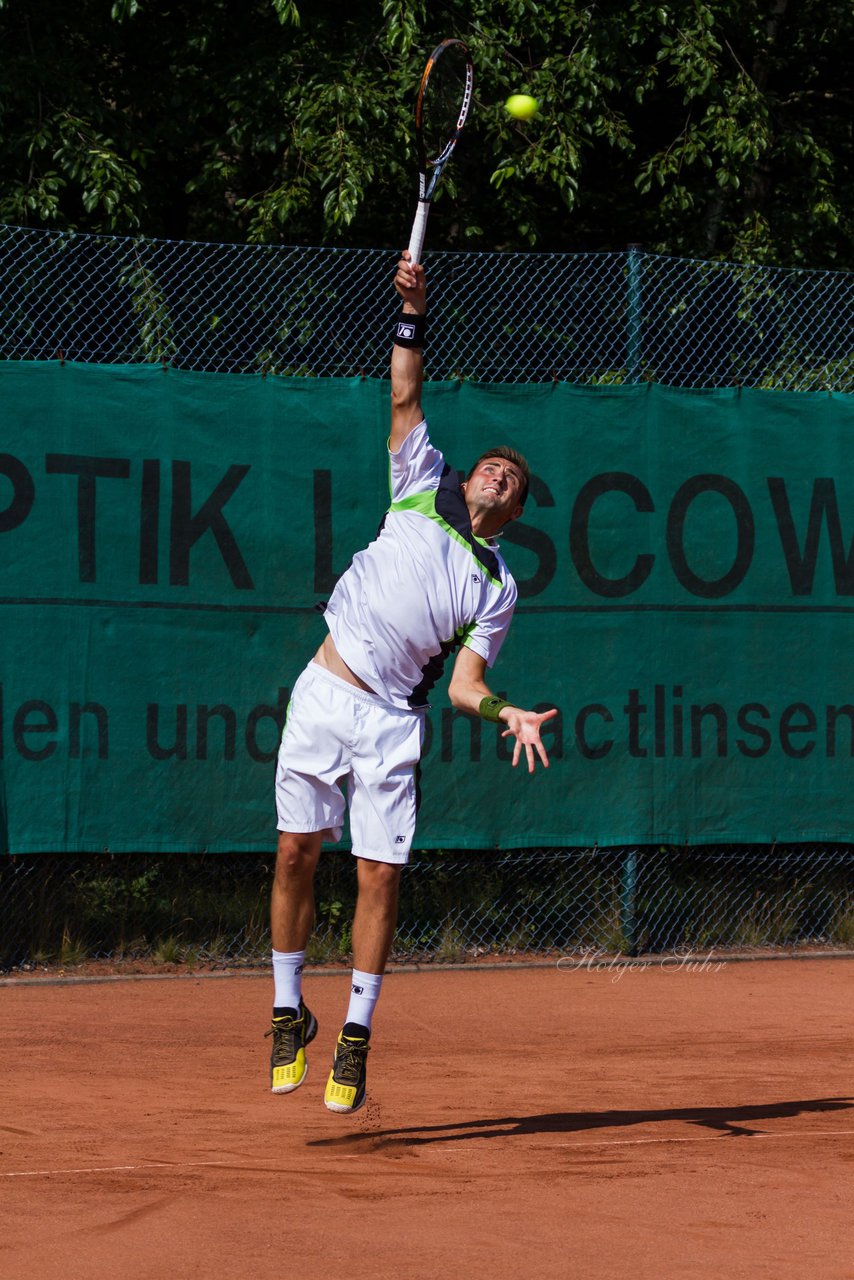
(425, 586)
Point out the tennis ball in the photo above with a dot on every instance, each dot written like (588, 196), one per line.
(522, 106)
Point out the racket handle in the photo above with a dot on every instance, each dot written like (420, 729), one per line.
(419, 231)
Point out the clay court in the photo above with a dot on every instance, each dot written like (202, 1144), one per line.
(660, 1122)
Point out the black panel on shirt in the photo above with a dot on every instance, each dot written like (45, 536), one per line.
(431, 671)
(451, 506)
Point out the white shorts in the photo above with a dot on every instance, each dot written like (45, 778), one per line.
(335, 733)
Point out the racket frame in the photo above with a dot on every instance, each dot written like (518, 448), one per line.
(428, 181)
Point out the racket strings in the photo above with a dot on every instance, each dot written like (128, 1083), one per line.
(445, 101)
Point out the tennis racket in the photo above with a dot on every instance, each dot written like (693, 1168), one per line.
(444, 97)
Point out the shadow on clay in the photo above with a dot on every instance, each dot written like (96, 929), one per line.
(743, 1121)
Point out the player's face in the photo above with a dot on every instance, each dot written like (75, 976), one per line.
(495, 486)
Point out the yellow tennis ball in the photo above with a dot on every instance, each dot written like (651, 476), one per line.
(522, 105)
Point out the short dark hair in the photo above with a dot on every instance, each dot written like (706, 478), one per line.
(509, 455)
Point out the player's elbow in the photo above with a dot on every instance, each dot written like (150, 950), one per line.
(459, 695)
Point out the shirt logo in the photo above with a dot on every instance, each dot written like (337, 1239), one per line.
(400, 839)
(475, 577)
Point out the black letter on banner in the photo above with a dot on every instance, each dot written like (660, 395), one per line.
(525, 535)
(832, 715)
(579, 540)
(23, 725)
(755, 730)
(324, 577)
(152, 733)
(149, 521)
(266, 712)
(88, 472)
(790, 725)
(187, 528)
(23, 492)
(716, 712)
(802, 567)
(76, 712)
(682, 499)
(587, 750)
(204, 715)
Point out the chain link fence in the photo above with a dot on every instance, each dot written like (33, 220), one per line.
(496, 317)
(455, 907)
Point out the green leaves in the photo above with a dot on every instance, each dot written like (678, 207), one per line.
(718, 129)
(107, 181)
(122, 9)
(287, 12)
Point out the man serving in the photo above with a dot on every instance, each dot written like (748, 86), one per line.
(432, 583)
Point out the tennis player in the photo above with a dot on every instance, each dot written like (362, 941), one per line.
(432, 583)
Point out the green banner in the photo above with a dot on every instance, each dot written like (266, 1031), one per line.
(686, 573)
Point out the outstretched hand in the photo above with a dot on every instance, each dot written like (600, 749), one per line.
(525, 726)
(411, 284)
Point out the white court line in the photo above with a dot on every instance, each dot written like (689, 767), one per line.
(116, 1168)
(619, 1142)
(718, 1137)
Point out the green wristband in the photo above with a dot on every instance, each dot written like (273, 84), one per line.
(491, 708)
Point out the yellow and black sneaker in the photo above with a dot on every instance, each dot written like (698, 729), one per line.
(345, 1088)
(288, 1066)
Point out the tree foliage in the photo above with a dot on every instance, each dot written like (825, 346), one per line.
(713, 129)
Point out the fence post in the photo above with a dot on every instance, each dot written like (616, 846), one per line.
(633, 313)
(628, 902)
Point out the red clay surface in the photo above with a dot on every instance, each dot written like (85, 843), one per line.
(662, 1124)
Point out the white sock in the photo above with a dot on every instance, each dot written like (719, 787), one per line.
(364, 994)
(287, 976)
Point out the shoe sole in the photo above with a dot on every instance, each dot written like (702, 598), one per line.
(289, 1088)
(341, 1110)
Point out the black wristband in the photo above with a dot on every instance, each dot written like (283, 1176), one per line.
(409, 331)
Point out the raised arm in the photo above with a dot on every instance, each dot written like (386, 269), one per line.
(407, 363)
(467, 692)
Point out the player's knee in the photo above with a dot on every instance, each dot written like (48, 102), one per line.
(379, 879)
(296, 857)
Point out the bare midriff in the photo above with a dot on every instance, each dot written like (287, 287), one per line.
(330, 659)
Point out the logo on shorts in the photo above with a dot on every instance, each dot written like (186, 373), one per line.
(357, 991)
(400, 839)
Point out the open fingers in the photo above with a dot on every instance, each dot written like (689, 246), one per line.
(527, 735)
(530, 747)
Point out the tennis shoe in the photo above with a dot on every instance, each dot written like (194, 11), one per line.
(288, 1065)
(345, 1088)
